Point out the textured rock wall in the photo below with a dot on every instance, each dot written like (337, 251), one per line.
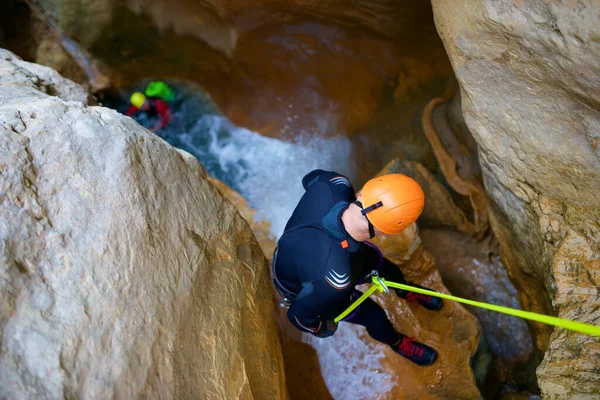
(530, 77)
(123, 272)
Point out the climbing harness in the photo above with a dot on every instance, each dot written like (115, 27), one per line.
(383, 286)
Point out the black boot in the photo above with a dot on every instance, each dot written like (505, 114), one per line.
(416, 352)
(429, 302)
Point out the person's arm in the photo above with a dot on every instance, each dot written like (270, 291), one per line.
(304, 319)
(374, 260)
(313, 314)
(337, 182)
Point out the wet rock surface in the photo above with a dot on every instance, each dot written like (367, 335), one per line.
(124, 272)
(472, 269)
(529, 81)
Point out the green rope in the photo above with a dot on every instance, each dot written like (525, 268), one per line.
(582, 327)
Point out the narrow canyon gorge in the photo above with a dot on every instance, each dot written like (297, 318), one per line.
(138, 263)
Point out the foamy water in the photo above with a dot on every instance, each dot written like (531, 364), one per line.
(351, 368)
(266, 171)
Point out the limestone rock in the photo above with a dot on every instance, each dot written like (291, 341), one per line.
(570, 368)
(260, 228)
(124, 272)
(33, 78)
(529, 77)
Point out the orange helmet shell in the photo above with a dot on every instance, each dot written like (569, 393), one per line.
(402, 198)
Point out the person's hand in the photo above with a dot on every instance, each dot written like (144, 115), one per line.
(328, 329)
(155, 128)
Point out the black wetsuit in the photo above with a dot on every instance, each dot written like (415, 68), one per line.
(319, 263)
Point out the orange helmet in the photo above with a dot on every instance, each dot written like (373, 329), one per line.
(392, 202)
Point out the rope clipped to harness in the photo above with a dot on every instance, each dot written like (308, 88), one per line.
(381, 285)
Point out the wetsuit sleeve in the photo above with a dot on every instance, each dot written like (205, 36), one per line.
(303, 319)
(339, 184)
(311, 178)
(131, 111)
(163, 110)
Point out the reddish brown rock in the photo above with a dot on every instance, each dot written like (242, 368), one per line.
(472, 269)
(454, 162)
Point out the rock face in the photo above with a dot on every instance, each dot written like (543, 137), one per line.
(124, 272)
(472, 269)
(260, 228)
(530, 78)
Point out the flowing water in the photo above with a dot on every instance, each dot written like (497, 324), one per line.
(266, 171)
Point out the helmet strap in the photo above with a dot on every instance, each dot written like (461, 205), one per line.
(371, 208)
(364, 212)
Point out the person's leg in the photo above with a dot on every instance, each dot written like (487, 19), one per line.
(372, 317)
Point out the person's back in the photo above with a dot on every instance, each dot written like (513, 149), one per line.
(312, 242)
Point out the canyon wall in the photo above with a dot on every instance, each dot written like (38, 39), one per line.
(124, 272)
(529, 74)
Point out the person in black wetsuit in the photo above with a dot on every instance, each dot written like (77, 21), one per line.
(323, 254)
